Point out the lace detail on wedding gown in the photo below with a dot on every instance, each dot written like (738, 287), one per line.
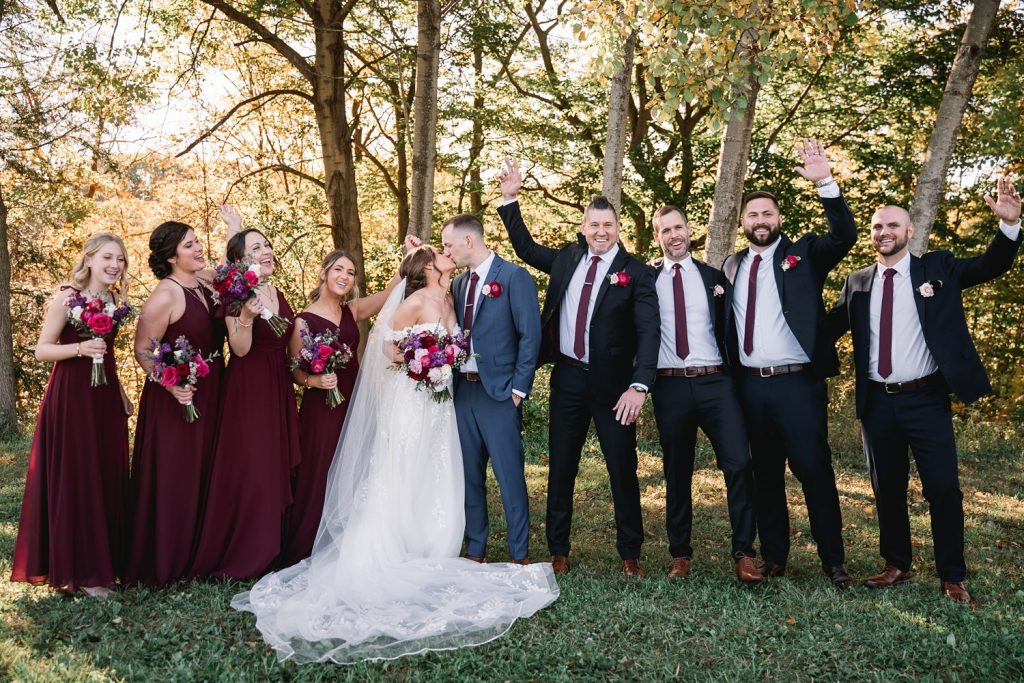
(388, 582)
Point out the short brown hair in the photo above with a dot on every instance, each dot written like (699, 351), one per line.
(758, 194)
(601, 203)
(664, 211)
(465, 221)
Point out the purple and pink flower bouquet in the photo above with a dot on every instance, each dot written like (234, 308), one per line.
(179, 365)
(235, 283)
(95, 319)
(429, 358)
(322, 353)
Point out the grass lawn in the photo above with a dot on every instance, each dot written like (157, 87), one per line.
(605, 626)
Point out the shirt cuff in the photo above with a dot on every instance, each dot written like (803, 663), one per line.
(510, 201)
(1011, 231)
(830, 191)
(641, 387)
(518, 393)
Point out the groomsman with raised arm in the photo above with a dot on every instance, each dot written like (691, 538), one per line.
(693, 390)
(782, 353)
(600, 327)
(911, 348)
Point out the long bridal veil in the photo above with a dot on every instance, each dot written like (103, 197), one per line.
(384, 579)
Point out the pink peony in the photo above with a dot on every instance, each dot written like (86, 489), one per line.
(202, 369)
(100, 323)
(324, 352)
(169, 377)
(252, 278)
(415, 367)
(317, 366)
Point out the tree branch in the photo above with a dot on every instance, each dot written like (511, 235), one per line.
(271, 94)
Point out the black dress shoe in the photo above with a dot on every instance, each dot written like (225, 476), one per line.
(838, 576)
(772, 569)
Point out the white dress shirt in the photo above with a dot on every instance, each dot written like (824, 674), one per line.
(774, 342)
(481, 270)
(571, 302)
(700, 334)
(911, 358)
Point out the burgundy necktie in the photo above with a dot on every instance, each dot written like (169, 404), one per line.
(581, 313)
(748, 323)
(467, 318)
(682, 343)
(885, 327)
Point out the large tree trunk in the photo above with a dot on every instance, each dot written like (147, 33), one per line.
(8, 393)
(732, 170)
(424, 151)
(931, 181)
(476, 145)
(618, 114)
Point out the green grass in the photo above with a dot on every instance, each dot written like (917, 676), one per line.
(605, 627)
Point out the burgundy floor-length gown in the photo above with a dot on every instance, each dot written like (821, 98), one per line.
(319, 429)
(256, 452)
(171, 456)
(73, 526)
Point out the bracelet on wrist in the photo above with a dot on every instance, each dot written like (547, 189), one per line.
(827, 180)
(78, 350)
(305, 382)
(238, 321)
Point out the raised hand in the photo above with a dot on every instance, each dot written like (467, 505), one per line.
(510, 180)
(815, 164)
(1007, 203)
(412, 242)
(231, 216)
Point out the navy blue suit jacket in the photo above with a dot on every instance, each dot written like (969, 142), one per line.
(942, 315)
(800, 287)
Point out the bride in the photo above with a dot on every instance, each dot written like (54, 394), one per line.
(385, 579)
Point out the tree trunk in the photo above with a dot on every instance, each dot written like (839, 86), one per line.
(931, 181)
(424, 150)
(8, 392)
(476, 145)
(401, 162)
(618, 115)
(732, 170)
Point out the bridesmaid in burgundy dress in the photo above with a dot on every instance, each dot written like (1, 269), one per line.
(331, 308)
(257, 443)
(72, 531)
(171, 456)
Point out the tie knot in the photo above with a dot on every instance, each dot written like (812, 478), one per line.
(473, 277)
(889, 272)
(757, 258)
(677, 267)
(594, 259)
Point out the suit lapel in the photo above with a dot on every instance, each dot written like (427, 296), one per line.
(732, 264)
(566, 276)
(860, 301)
(490, 276)
(916, 280)
(459, 290)
(707, 276)
(777, 259)
(617, 263)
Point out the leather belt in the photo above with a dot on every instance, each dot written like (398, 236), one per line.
(575, 362)
(471, 376)
(690, 372)
(911, 385)
(774, 370)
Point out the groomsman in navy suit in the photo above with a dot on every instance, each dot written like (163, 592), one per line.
(496, 304)
(600, 328)
(694, 390)
(778, 343)
(912, 347)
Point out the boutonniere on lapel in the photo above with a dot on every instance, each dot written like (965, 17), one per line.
(491, 289)
(619, 279)
(929, 288)
(717, 290)
(789, 262)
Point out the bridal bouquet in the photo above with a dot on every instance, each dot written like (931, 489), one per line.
(236, 283)
(429, 358)
(179, 366)
(322, 353)
(94, 319)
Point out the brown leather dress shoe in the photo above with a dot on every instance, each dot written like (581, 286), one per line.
(632, 568)
(560, 564)
(523, 561)
(478, 560)
(890, 576)
(747, 571)
(838, 576)
(680, 568)
(772, 570)
(956, 591)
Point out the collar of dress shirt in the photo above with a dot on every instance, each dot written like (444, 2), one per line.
(769, 253)
(902, 267)
(685, 264)
(606, 257)
(485, 266)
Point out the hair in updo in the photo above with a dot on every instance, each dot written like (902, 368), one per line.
(163, 245)
(329, 261)
(81, 273)
(414, 268)
(236, 245)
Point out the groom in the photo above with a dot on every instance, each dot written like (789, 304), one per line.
(496, 304)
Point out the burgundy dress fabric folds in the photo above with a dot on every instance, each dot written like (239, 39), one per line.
(73, 513)
(319, 429)
(255, 454)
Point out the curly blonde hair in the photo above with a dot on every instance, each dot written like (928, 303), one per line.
(80, 274)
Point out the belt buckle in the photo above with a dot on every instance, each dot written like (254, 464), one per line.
(690, 372)
(770, 369)
(894, 388)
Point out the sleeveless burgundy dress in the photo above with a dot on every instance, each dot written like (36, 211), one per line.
(256, 452)
(72, 530)
(319, 429)
(171, 456)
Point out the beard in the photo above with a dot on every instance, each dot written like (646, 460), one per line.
(678, 252)
(773, 232)
(892, 247)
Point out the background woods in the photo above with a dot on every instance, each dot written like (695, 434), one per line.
(351, 123)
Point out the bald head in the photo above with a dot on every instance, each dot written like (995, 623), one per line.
(891, 231)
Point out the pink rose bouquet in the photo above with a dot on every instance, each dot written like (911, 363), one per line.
(322, 353)
(179, 365)
(94, 319)
(235, 283)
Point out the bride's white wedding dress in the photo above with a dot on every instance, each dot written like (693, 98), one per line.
(385, 579)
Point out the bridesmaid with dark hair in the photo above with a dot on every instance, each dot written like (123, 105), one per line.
(257, 445)
(332, 308)
(171, 456)
(72, 526)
